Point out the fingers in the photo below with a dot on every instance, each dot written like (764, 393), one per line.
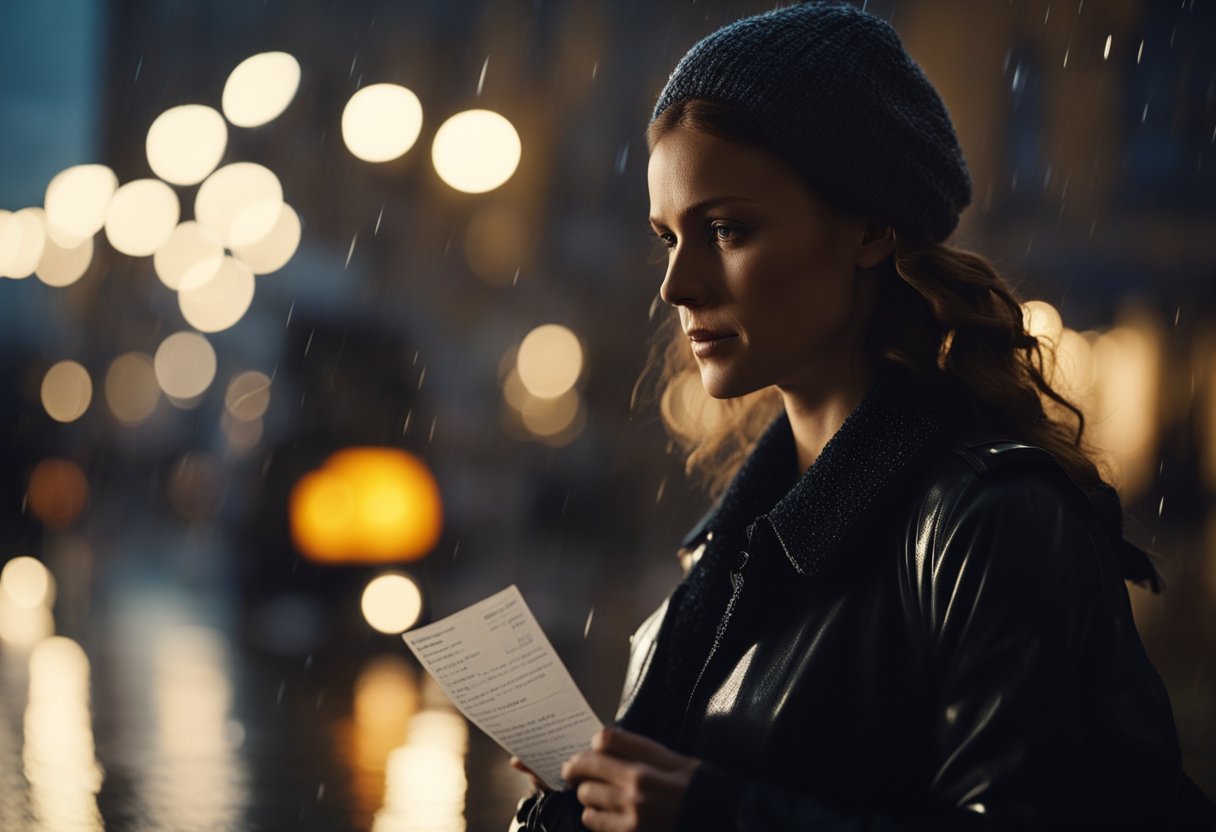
(519, 765)
(594, 794)
(593, 765)
(599, 821)
(630, 746)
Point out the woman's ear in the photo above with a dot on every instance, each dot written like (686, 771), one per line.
(877, 245)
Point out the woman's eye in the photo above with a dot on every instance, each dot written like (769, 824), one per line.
(725, 233)
(668, 239)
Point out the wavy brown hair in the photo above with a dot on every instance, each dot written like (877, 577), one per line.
(944, 318)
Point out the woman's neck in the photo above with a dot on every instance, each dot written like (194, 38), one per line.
(815, 419)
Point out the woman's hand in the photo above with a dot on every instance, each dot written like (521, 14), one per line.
(628, 783)
(518, 765)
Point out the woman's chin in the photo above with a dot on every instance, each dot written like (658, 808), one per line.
(719, 387)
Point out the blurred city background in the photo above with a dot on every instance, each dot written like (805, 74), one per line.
(322, 319)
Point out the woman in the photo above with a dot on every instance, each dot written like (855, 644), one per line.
(906, 609)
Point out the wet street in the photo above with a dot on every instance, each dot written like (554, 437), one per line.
(169, 725)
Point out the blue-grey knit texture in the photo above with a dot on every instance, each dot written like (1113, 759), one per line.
(832, 92)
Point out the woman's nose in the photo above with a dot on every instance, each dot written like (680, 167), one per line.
(683, 285)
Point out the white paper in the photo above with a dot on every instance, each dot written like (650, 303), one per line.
(493, 661)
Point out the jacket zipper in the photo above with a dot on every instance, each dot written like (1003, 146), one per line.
(736, 584)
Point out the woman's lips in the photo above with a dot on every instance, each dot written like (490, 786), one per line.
(706, 344)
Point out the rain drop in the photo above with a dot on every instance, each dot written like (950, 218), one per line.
(621, 159)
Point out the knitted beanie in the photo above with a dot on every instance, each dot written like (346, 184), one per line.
(830, 90)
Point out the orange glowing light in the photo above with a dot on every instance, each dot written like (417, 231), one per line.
(57, 492)
(367, 505)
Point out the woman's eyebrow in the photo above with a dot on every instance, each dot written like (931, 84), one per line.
(705, 205)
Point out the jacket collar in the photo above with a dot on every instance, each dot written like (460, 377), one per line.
(812, 514)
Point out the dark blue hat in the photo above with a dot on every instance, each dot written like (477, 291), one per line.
(831, 90)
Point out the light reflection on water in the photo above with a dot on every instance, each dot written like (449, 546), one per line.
(58, 756)
(408, 764)
(201, 776)
(177, 735)
(425, 784)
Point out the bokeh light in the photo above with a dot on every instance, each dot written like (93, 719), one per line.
(248, 395)
(66, 391)
(191, 255)
(550, 360)
(273, 251)
(27, 582)
(391, 603)
(367, 505)
(76, 202)
(425, 783)
(24, 626)
(476, 151)
(218, 302)
(141, 217)
(1124, 421)
(58, 491)
(59, 759)
(185, 365)
(259, 89)
(62, 266)
(240, 203)
(381, 122)
(185, 143)
(1073, 371)
(22, 241)
(1042, 321)
(550, 417)
(131, 389)
(385, 698)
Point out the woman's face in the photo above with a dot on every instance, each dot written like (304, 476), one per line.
(776, 278)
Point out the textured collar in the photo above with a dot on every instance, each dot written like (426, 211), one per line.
(812, 515)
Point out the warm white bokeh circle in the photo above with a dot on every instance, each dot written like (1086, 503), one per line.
(77, 200)
(248, 395)
(549, 360)
(141, 217)
(240, 203)
(391, 603)
(549, 417)
(1042, 321)
(185, 365)
(476, 151)
(63, 266)
(185, 143)
(381, 122)
(259, 89)
(272, 252)
(22, 241)
(66, 391)
(131, 389)
(191, 255)
(27, 582)
(215, 304)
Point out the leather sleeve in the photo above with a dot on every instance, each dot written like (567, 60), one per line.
(1046, 712)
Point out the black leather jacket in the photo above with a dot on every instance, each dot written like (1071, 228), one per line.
(927, 630)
